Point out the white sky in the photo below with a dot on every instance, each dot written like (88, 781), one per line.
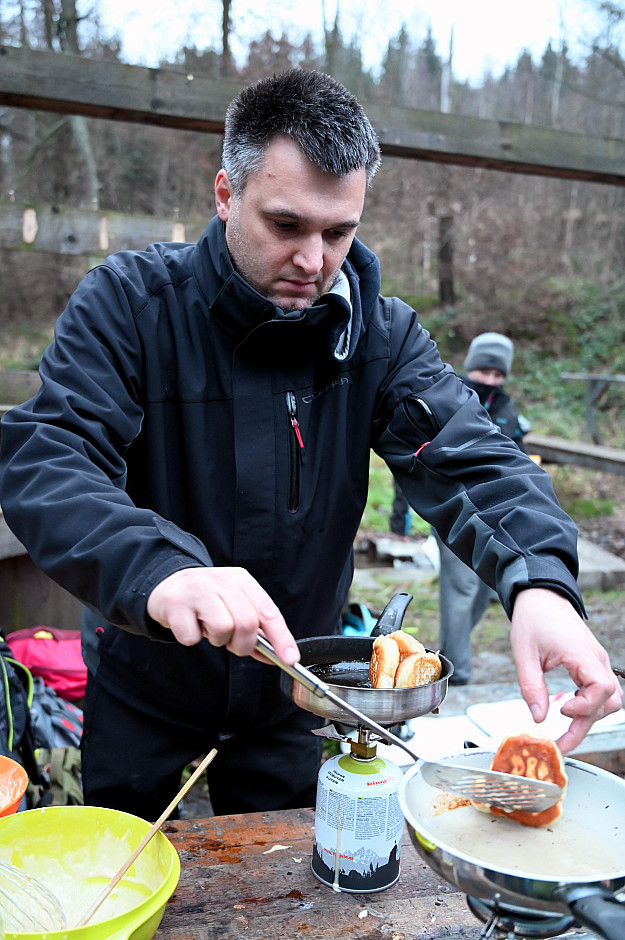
(488, 35)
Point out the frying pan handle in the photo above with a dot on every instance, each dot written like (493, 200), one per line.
(297, 672)
(597, 908)
(393, 614)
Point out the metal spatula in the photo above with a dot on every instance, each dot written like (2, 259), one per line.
(507, 791)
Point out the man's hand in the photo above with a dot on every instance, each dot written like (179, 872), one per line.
(547, 632)
(225, 605)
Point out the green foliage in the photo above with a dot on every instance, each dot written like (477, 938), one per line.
(25, 347)
(576, 490)
(585, 507)
(419, 302)
(557, 326)
(380, 501)
(586, 325)
(330, 749)
(593, 324)
(421, 617)
(380, 497)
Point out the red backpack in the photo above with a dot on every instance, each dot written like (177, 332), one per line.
(53, 654)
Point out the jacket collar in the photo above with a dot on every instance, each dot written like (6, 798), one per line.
(240, 310)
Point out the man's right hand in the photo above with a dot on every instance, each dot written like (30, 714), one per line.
(227, 606)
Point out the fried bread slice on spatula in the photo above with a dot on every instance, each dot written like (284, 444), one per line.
(537, 758)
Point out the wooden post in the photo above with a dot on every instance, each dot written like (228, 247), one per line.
(446, 293)
(596, 388)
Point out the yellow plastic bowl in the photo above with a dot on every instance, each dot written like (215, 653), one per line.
(13, 783)
(75, 850)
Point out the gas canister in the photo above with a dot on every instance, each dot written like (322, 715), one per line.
(358, 820)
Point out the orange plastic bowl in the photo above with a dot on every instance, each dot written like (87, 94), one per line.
(13, 783)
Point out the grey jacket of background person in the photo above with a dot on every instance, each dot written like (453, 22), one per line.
(463, 597)
(164, 436)
(501, 409)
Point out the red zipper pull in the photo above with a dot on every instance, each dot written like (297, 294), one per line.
(292, 406)
(298, 433)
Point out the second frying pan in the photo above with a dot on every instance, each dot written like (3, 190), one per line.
(576, 865)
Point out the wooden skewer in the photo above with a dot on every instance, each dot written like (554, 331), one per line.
(157, 825)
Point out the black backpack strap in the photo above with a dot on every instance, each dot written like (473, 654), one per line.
(29, 759)
(26, 746)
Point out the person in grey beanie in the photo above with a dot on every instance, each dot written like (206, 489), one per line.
(487, 363)
(490, 352)
(463, 596)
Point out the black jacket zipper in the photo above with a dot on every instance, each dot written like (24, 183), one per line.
(296, 451)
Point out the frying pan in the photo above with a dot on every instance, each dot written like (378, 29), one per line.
(346, 659)
(575, 866)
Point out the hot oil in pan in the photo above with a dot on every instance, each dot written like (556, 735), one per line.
(354, 675)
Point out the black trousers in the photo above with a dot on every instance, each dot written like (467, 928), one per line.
(400, 520)
(133, 761)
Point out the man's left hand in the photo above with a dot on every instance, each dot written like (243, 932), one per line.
(547, 632)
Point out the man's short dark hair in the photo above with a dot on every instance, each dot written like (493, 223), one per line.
(314, 110)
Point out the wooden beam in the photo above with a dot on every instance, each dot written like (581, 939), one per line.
(95, 233)
(591, 456)
(498, 145)
(68, 84)
(49, 81)
(592, 377)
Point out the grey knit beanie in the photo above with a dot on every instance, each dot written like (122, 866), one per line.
(490, 351)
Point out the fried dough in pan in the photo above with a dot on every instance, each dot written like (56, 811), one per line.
(418, 669)
(384, 663)
(407, 644)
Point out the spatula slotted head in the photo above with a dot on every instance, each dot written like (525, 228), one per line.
(507, 791)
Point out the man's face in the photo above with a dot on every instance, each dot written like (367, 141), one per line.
(487, 376)
(289, 230)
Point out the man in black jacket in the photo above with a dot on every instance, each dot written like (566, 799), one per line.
(195, 468)
(463, 596)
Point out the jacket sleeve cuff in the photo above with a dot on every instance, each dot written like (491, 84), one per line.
(572, 596)
(169, 566)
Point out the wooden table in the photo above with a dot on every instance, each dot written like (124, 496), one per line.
(248, 877)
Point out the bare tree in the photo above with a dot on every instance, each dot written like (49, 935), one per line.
(68, 39)
(226, 27)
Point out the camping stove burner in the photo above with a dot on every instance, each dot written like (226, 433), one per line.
(399, 729)
(507, 921)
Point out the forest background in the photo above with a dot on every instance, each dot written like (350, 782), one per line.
(538, 258)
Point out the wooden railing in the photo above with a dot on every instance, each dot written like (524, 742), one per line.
(596, 385)
(28, 597)
(592, 456)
